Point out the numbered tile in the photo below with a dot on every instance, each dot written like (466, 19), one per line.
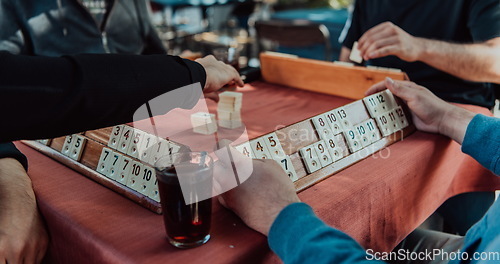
(159, 150)
(123, 172)
(77, 147)
(333, 122)
(135, 143)
(173, 148)
(246, 150)
(380, 103)
(322, 127)
(103, 164)
(401, 117)
(147, 147)
(393, 121)
(373, 132)
(68, 143)
(324, 156)
(353, 140)
(154, 193)
(148, 177)
(310, 157)
(259, 149)
(343, 118)
(363, 134)
(383, 124)
(335, 151)
(274, 146)
(286, 164)
(115, 136)
(135, 175)
(125, 139)
(115, 166)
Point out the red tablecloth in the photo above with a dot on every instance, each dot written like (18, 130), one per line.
(377, 201)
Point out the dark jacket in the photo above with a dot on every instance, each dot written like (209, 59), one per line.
(62, 27)
(46, 97)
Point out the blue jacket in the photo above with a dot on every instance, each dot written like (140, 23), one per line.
(64, 27)
(299, 236)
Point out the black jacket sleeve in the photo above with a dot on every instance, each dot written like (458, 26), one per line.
(42, 97)
(9, 150)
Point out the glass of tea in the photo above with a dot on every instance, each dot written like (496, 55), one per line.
(185, 186)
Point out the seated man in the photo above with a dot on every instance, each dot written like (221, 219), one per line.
(267, 201)
(451, 47)
(39, 94)
(55, 27)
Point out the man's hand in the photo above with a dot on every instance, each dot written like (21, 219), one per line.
(260, 199)
(219, 74)
(430, 113)
(388, 39)
(23, 238)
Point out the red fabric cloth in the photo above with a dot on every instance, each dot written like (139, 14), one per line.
(378, 201)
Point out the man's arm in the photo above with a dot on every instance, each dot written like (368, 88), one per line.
(478, 134)
(478, 62)
(23, 238)
(46, 97)
(267, 202)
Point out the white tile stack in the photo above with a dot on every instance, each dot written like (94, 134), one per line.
(204, 123)
(229, 109)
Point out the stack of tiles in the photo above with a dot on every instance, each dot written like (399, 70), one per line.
(229, 109)
(204, 123)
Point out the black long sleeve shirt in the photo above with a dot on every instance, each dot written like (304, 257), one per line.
(42, 97)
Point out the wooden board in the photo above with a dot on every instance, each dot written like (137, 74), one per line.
(323, 77)
(293, 141)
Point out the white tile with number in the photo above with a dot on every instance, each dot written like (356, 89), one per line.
(154, 193)
(400, 117)
(158, 151)
(274, 146)
(114, 165)
(322, 127)
(259, 149)
(147, 179)
(310, 157)
(335, 151)
(125, 139)
(147, 147)
(343, 118)
(353, 140)
(135, 175)
(372, 129)
(68, 143)
(245, 149)
(363, 134)
(103, 164)
(286, 164)
(123, 172)
(380, 103)
(115, 136)
(135, 144)
(333, 122)
(77, 147)
(324, 156)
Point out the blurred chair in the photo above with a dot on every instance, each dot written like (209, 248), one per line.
(292, 33)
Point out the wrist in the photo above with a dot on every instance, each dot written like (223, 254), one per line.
(454, 123)
(423, 48)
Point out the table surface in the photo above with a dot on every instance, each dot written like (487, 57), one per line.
(378, 201)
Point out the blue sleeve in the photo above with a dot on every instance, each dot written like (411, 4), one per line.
(482, 141)
(299, 236)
